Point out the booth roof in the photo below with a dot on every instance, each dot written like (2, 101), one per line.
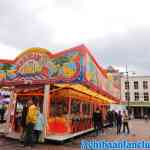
(87, 91)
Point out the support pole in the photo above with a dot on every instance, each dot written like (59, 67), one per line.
(46, 107)
(128, 104)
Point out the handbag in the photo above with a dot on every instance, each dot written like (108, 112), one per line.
(41, 138)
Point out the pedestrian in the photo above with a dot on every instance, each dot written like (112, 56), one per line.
(111, 118)
(39, 125)
(146, 117)
(119, 122)
(114, 117)
(23, 121)
(30, 123)
(125, 122)
(108, 118)
(98, 121)
(2, 112)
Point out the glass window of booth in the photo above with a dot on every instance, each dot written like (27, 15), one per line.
(59, 106)
(75, 106)
(86, 108)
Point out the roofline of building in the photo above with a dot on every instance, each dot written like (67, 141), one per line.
(138, 76)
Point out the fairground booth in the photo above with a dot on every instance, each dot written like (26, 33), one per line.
(67, 86)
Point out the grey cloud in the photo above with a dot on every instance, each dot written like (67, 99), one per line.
(73, 4)
(132, 48)
(21, 27)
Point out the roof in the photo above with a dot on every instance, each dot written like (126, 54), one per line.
(37, 79)
(87, 91)
(81, 47)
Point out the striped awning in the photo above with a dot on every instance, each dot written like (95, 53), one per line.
(30, 77)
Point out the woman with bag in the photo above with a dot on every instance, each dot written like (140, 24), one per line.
(39, 125)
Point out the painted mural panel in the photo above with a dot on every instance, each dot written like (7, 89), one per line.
(7, 71)
(65, 66)
(60, 67)
(93, 74)
(96, 78)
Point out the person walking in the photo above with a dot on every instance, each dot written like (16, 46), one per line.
(125, 122)
(119, 122)
(2, 112)
(23, 121)
(39, 125)
(111, 119)
(114, 118)
(146, 118)
(30, 123)
(97, 121)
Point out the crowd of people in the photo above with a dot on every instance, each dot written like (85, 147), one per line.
(115, 119)
(32, 123)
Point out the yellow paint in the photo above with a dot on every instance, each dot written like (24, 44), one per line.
(68, 71)
(32, 68)
(85, 90)
(2, 76)
(34, 49)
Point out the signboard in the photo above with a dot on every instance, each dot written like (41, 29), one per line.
(139, 104)
(63, 67)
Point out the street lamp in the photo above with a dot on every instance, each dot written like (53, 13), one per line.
(128, 98)
(128, 90)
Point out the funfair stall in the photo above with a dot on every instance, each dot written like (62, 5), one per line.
(67, 86)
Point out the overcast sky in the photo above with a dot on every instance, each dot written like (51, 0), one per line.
(117, 32)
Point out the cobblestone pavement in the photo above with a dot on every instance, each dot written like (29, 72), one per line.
(140, 130)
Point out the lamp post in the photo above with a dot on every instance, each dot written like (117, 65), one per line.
(128, 90)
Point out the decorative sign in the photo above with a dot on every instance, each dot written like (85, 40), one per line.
(39, 64)
(93, 74)
(60, 67)
(31, 63)
(96, 78)
(7, 71)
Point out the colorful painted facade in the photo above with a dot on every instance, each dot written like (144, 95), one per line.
(74, 65)
(67, 85)
(7, 71)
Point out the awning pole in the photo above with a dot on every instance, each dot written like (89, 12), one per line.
(46, 107)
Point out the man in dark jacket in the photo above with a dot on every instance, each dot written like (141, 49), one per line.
(23, 121)
(98, 121)
(119, 122)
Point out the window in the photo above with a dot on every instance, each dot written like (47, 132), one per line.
(127, 96)
(136, 85)
(146, 96)
(136, 96)
(127, 85)
(145, 84)
(58, 107)
(75, 106)
(86, 108)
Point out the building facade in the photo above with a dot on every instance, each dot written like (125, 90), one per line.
(136, 91)
(115, 76)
